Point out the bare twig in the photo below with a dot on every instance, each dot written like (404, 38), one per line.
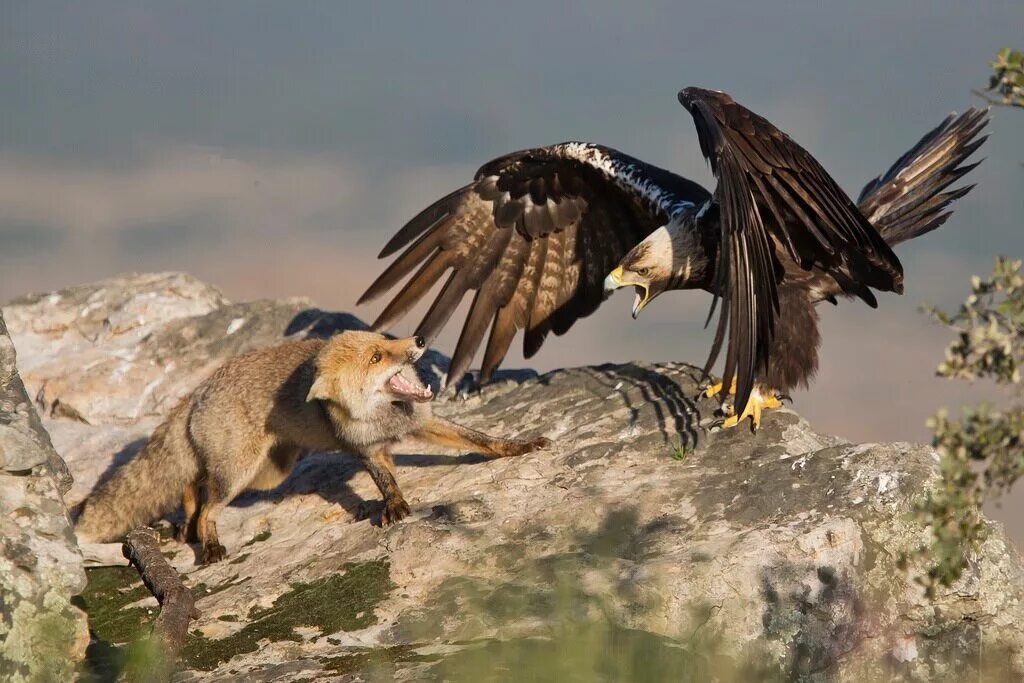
(177, 607)
(994, 101)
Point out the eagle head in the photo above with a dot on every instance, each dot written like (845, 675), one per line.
(647, 267)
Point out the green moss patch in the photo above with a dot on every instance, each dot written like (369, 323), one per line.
(340, 602)
(108, 591)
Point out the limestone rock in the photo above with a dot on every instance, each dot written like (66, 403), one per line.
(639, 547)
(42, 636)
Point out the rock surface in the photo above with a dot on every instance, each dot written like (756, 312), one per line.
(41, 635)
(639, 547)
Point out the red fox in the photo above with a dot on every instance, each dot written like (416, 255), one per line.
(248, 423)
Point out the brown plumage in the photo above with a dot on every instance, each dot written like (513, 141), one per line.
(535, 235)
(776, 204)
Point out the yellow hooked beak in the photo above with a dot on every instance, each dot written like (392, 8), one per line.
(616, 279)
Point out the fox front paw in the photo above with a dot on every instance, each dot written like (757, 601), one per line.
(514, 448)
(539, 444)
(213, 552)
(394, 511)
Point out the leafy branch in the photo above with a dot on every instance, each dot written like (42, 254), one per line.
(982, 453)
(1006, 83)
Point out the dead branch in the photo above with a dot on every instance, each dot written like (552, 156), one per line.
(177, 607)
(994, 101)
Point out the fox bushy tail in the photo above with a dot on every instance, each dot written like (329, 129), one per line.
(145, 488)
(911, 198)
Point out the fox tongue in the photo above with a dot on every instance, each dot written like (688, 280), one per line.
(403, 386)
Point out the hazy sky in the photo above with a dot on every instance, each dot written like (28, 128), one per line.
(272, 148)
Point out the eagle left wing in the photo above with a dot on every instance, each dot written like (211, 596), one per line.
(775, 201)
(533, 237)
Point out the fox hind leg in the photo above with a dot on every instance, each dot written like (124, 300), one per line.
(187, 532)
(213, 551)
(222, 487)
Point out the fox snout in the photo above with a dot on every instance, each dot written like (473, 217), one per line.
(415, 347)
(418, 348)
(405, 382)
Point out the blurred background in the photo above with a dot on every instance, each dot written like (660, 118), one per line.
(271, 149)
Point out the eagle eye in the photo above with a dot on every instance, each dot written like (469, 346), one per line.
(375, 358)
(642, 272)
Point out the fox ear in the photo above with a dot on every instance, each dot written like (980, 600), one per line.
(320, 390)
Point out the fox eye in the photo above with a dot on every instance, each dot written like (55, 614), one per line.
(642, 272)
(375, 358)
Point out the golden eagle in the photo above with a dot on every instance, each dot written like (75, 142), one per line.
(542, 236)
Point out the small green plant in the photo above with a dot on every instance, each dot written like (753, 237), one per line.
(680, 451)
(982, 453)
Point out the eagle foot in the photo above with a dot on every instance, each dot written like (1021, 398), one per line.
(761, 399)
(716, 389)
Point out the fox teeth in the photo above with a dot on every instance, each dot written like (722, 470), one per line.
(405, 387)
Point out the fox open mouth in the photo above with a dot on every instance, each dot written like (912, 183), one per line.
(409, 388)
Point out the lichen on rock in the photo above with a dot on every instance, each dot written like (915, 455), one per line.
(41, 634)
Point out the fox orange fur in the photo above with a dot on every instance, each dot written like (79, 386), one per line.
(249, 422)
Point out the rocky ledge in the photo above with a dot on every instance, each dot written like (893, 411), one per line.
(41, 633)
(639, 547)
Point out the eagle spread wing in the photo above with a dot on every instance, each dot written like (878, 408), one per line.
(534, 236)
(775, 201)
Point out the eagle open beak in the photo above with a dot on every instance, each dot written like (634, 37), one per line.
(615, 281)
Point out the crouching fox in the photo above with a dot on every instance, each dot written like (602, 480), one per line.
(248, 423)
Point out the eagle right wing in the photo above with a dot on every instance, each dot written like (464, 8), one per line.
(533, 236)
(770, 192)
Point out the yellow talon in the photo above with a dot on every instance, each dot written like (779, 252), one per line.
(761, 399)
(716, 389)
